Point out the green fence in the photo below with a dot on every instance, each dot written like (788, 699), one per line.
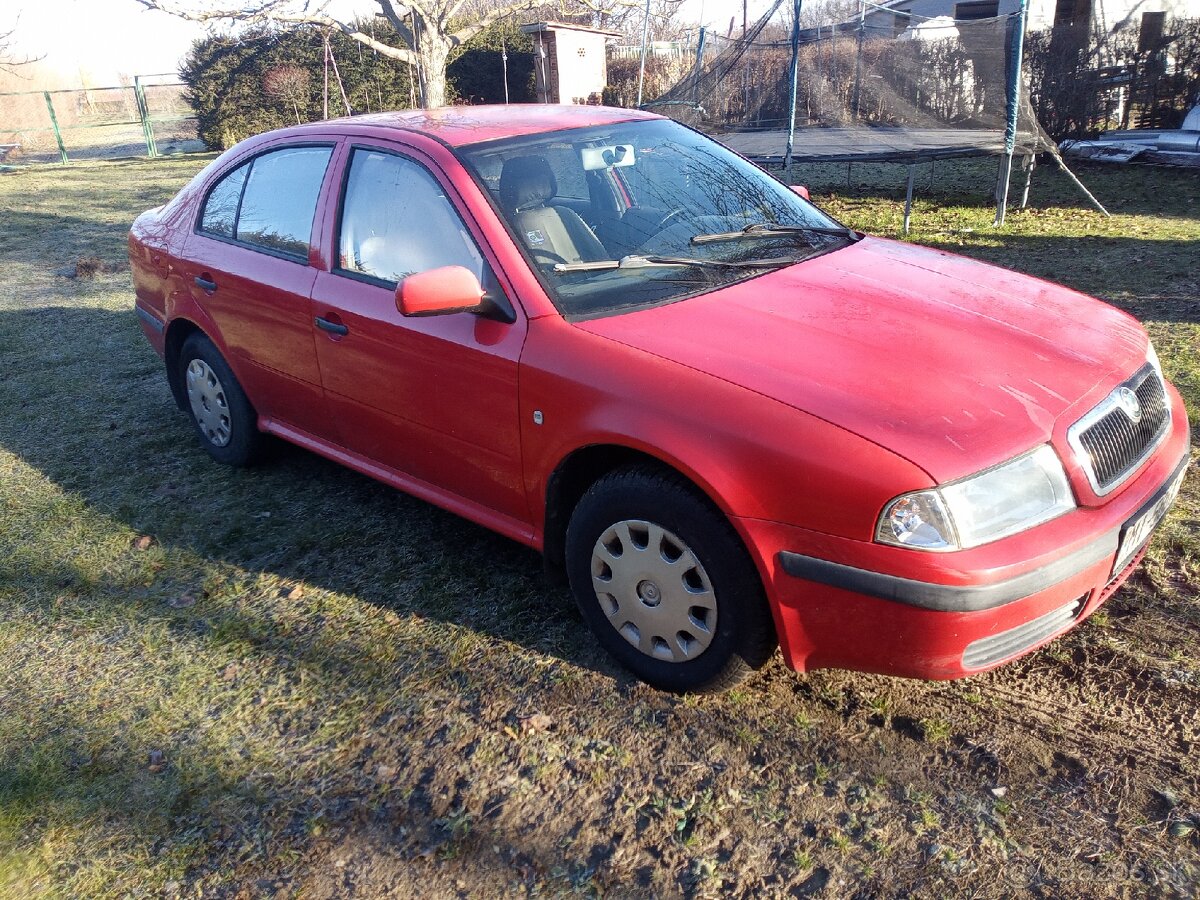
(148, 117)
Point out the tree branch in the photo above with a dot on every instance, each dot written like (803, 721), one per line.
(467, 32)
(273, 11)
(395, 18)
(8, 62)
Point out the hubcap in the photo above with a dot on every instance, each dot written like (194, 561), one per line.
(209, 406)
(654, 590)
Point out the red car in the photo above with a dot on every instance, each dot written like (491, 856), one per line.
(731, 421)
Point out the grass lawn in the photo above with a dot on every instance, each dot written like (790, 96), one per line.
(293, 681)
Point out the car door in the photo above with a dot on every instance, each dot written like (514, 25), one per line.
(248, 266)
(434, 398)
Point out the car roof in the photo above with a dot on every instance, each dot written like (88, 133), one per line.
(462, 125)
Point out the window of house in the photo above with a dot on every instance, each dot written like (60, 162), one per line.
(978, 9)
(1151, 33)
(1073, 12)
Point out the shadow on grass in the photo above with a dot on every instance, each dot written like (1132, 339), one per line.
(60, 238)
(87, 406)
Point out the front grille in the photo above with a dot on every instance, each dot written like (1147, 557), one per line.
(988, 650)
(1111, 440)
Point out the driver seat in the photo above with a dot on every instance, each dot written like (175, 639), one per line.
(550, 233)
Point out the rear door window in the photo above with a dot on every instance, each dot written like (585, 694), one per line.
(270, 201)
(281, 197)
(220, 209)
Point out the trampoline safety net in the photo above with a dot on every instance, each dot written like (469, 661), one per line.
(884, 84)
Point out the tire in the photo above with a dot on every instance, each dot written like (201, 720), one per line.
(665, 584)
(221, 414)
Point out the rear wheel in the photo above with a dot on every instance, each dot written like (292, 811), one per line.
(665, 584)
(225, 422)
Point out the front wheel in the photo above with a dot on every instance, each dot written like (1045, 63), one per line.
(665, 584)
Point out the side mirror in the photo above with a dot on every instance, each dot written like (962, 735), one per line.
(438, 292)
(801, 190)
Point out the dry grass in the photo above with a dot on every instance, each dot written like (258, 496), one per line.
(295, 681)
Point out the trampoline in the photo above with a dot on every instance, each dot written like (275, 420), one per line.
(887, 86)
(864, 144)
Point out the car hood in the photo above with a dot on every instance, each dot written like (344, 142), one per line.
(951, 363)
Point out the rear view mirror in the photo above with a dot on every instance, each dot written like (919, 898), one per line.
(801, 190)
(607, 157)
(437, 292)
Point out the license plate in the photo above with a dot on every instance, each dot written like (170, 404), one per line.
(1136, 533)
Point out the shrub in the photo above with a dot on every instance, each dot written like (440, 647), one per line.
(267, 78)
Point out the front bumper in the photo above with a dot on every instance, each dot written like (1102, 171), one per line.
(839, 606)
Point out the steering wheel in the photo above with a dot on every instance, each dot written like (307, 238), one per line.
(549, 255)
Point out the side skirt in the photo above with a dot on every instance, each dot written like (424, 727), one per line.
(516, 530)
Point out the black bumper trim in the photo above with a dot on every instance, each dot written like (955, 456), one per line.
(947, 597)
(965, 598)
(149, 319)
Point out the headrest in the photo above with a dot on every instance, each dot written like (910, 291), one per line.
(526, 181)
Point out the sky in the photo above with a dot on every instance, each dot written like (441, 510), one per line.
(94, 42)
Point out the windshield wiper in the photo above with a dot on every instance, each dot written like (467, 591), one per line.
(763, 229)
(643, 262)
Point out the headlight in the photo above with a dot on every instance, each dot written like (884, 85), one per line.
(1000, 501)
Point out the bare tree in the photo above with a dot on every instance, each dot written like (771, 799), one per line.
(627, 19)
(429, 29)
(289, 85)
(9, 58)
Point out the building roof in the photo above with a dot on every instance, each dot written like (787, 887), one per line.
(461, 125)
(534, 27)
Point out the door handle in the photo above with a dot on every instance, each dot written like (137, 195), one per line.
(331, 327)
(206, 284)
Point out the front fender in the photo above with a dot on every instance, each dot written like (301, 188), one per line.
(753, 456)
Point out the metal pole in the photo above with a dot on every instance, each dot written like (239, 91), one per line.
(795, 71)
(504, 63)
(416, 33)
(1079, 184)
(338, 76)
(541, 55)
(699, 67)
(62, 151)
(642, 67)
(1014, 107)
(862, 27)
(912, 173)
(139, 95)
(1029, 167)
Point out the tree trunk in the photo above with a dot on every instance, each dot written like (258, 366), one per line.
(432, 55)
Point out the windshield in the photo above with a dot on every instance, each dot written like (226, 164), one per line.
(644, 192)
